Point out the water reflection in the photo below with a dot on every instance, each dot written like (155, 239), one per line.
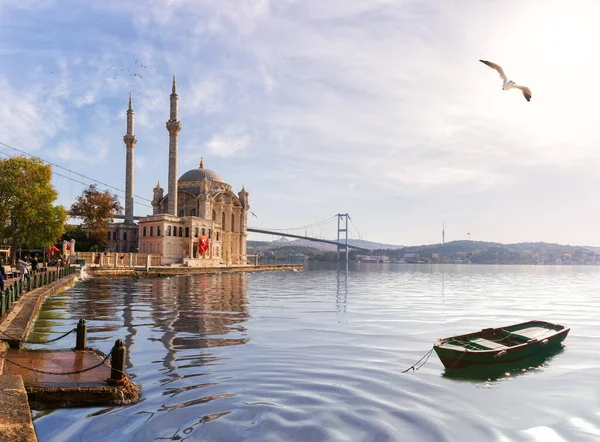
(341, 294)
(189, 317)
(501, 371)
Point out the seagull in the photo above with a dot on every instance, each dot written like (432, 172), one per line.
(253, 214)
(508, 84)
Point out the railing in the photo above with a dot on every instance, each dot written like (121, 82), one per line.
(115, 259)
(14, 291)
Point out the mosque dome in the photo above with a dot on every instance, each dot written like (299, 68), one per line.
(199, 174)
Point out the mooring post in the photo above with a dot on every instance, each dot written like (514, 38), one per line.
(9, 296)
(80, 343)
(2, 304)
(29, 285)
(117, 366)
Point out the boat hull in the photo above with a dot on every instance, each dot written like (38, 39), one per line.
(465, 357)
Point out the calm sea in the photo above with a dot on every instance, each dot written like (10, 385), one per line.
(318, 355)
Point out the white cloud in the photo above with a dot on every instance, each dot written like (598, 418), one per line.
(226, 145)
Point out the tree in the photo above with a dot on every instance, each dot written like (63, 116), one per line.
(26, 197)
(82, 239)
(97, 210)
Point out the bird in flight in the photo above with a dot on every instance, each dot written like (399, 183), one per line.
(508, 84)
(253, 214)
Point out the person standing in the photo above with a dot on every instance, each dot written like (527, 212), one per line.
(2, 276)
(24, 269)
(34, 265)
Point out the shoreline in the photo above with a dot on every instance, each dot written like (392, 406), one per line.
(166, 271)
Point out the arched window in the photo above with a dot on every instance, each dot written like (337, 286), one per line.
(223, 220)
(195, 232)
(193, 212)
(109, 236)
(180, 231)
(157, 230)
(115, 235)
(151, 230)
(217, 236)
(214, 217)
(187, 232)
(232, 222)
(144, 232)
(180, 215)
(168, 230)
(124, 236)
(203, 232)
(209, 234)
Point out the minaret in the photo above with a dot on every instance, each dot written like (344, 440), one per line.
(130, 141)
(443, 233)
(173, 126)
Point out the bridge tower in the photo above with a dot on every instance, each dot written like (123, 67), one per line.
(343, 229)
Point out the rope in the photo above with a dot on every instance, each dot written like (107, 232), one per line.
(426, 357)
(61, 373)
(55, 339)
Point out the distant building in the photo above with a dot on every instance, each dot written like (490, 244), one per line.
(443, 232)
(372, 259)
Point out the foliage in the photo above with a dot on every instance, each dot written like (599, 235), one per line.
(26, 197)
(83, 242)
(97, 210)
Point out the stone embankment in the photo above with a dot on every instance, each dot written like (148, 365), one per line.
(162, 271)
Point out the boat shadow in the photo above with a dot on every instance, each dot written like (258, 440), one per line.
(500, 371)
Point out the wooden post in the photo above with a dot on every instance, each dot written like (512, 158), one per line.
(80, 343)
(117, 372)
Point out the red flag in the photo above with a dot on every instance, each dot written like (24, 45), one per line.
(68, 246)
(203, 244)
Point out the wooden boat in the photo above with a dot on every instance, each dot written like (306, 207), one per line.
(500, 345)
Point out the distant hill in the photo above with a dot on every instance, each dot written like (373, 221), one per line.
(474, 252)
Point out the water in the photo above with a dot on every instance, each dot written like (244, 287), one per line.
(318, 355)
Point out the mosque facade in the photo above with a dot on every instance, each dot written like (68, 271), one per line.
(201, 221)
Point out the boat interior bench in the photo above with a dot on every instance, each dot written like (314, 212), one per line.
(508, 340)
(486, 344)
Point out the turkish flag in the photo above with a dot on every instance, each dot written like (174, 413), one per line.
(202, 244)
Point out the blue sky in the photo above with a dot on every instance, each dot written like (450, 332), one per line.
(377, 108)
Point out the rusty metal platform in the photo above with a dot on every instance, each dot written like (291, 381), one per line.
(57, 361)
(53, 389)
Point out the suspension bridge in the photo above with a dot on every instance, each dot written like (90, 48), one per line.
(345, 229)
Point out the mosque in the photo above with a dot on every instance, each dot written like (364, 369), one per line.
(199, 222)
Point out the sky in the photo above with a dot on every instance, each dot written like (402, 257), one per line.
(376, 108)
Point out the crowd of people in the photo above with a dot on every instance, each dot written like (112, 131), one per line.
(28, 266)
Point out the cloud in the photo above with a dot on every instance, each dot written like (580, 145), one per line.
(227, 145)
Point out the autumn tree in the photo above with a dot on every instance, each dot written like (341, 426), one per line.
(97, 210)
(26, 204)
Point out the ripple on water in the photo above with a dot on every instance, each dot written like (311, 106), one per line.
(318, 355)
